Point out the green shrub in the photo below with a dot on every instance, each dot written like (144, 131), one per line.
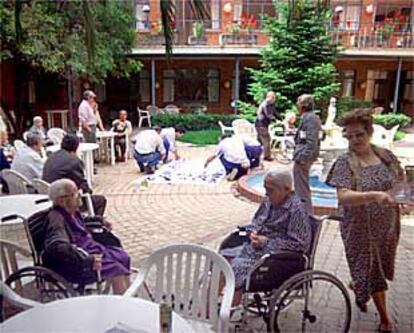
(390, 120)
(346, 104)
(399, 135)
(205, 137)
(193, 122)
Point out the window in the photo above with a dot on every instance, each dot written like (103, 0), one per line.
(408, 92)
(254, 8)
(144, 86)
(347, 79)
(196, 85)
(376, 90)
(400, 15)
(346, 15)
(142, 10)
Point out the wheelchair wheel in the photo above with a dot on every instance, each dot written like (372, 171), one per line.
(39, 284)
(311, 301)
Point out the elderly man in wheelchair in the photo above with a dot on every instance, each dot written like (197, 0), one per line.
(277, 247)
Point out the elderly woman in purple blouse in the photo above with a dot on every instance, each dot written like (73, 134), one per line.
(280, 224)
(69, 248)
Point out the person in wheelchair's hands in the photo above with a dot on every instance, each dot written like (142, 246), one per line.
(257, 241)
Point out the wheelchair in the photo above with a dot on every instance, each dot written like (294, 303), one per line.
(286, 292)
(40, 283)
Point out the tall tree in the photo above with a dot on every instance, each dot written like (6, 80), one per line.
(76, 39)
(298, 58)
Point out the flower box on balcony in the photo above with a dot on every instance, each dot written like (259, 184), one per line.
(153, 39)
(238, 39)
(193, 40)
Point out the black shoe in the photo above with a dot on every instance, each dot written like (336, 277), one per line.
(269, 159)
(95, 171)
(362, 306)
(149, 170)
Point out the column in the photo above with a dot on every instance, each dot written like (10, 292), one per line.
(153, 102)
(236, 83)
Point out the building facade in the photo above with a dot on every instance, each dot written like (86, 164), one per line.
(376, 60)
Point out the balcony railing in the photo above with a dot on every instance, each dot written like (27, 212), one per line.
(375, 36)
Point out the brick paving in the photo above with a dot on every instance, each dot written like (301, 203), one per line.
(147, 219)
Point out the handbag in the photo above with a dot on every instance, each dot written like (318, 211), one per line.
(99, 233)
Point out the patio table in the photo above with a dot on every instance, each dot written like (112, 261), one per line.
(86, 152)
(108, 135)
(23, 204)
(96, 313)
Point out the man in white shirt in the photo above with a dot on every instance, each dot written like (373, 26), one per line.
(87, 116)
(28, 161)
(232, 154)
(169, 135)
(149, 149)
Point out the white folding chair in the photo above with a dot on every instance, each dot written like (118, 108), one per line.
(56, 135)
(16, 182)
(187, 277)
(143, 115)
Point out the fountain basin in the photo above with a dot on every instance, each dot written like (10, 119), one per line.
(324, 200)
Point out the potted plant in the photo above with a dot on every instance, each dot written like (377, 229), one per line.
(248, 23)
(235, 28)
(198, 29)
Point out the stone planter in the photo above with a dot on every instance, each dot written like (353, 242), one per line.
(193, 40)
(238, 39)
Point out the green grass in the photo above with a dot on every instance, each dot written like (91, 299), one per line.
(201, 138)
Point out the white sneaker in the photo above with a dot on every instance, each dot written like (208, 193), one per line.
(232, 175)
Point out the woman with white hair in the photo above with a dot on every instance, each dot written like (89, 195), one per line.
(280, 224)
(69, 248)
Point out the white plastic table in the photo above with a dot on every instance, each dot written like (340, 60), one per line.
(85, 151)
(63, 118)
(23, 204)
(108, 135)
(96, 313)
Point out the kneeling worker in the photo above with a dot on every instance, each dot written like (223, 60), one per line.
(232, 154)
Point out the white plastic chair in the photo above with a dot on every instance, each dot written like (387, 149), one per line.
(187, 277)
(143, 115)
(153, 109)
(25, 134)
(276, 136)
(13, 257)
(16, 182)
(6, 293)
(172, 109)
(225, 129)
(382, 137)
(56, 135)
(244, 128)
(41, 186)
(19, 144)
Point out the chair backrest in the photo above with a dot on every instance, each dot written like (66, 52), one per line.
(18, 144)
(35, 233)
(152, 109)
(9, 255)
(56, 135)
(16, 182)
(41, 186)
(187, 277)
(243, 127)
(143, 113)
(15, 299)
(316, 226)
(171, 108)
(25, 134)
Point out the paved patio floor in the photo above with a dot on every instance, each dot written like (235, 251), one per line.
(147, 219)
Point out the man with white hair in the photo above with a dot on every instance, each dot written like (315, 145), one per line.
(28, 160)
(265, 115)
(38, 128)
(307, 145)
(87, 116)
(281, 223)
(69, 248)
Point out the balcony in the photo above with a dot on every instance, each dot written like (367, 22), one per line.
(238, 39)
(382, 36)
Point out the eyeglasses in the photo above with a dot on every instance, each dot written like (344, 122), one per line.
(357, 135)
(72, 195)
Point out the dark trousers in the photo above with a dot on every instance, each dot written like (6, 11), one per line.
(98, 203)
(301, 181)
(167, 149)
(253, 154)
(121, 143)
(151, 159)
(264, 138)
(229, 166)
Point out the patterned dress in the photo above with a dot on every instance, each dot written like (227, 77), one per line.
(370, 232)
(287, 228)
